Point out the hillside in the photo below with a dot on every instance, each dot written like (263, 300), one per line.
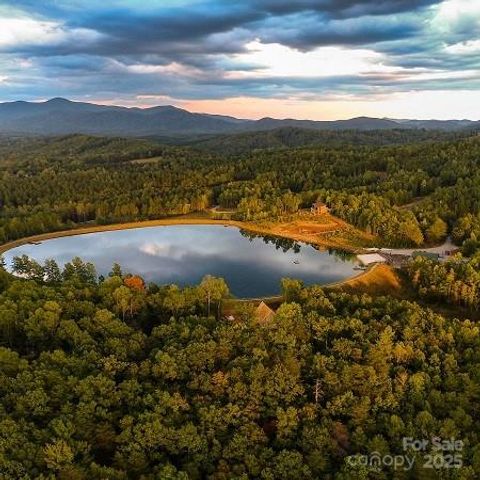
(51, 184)
(291, 137)
(96, 388)
(59, 116)
(108, 377)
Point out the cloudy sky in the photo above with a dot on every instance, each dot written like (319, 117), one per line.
(319, 59)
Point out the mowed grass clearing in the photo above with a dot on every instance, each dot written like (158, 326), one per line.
(380, 279)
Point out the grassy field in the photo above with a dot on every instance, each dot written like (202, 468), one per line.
(325, 231)
(380, 279)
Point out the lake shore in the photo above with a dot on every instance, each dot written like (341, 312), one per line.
(115, 227)
(280, 229)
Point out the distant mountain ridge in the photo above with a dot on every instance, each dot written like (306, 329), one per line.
(60, 116)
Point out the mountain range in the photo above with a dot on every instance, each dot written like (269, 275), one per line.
(60, 116)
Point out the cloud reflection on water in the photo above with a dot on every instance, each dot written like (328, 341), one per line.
(184, 254)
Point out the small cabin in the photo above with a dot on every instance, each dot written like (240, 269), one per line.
(263, 313)
(319, 208)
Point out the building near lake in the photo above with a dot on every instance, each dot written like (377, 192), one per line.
(263, 313)
(371, 258)
(319, 208)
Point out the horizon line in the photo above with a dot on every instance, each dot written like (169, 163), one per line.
(266, 117)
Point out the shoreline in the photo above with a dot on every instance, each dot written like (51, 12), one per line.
(84, 230)
(332, 285)
(181, 220)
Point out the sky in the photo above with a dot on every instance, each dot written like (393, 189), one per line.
(316, 59)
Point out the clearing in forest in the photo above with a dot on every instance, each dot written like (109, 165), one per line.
(380, 279)
(324, 230)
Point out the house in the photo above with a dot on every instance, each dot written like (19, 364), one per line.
(263, 313)
(370, 258)
(319, 208)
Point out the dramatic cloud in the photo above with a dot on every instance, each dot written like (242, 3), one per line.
(184, 51)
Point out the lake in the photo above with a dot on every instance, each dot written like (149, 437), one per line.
(252, 265)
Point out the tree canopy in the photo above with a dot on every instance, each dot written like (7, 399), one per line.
(113, 379)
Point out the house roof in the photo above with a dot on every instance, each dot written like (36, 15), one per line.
(370, 258)
(264, 313)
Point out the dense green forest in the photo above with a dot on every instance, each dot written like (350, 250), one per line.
(113, 379)
(407, 194)
(455, 281)
(110, 378)
(291, 137)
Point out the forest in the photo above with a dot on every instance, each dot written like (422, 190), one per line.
(406, 194)
(455, 281)
(112, 378)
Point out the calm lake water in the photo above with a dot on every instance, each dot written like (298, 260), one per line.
(252, 265)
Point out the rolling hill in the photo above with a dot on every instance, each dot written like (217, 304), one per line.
(292, 137)
(60, 116)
